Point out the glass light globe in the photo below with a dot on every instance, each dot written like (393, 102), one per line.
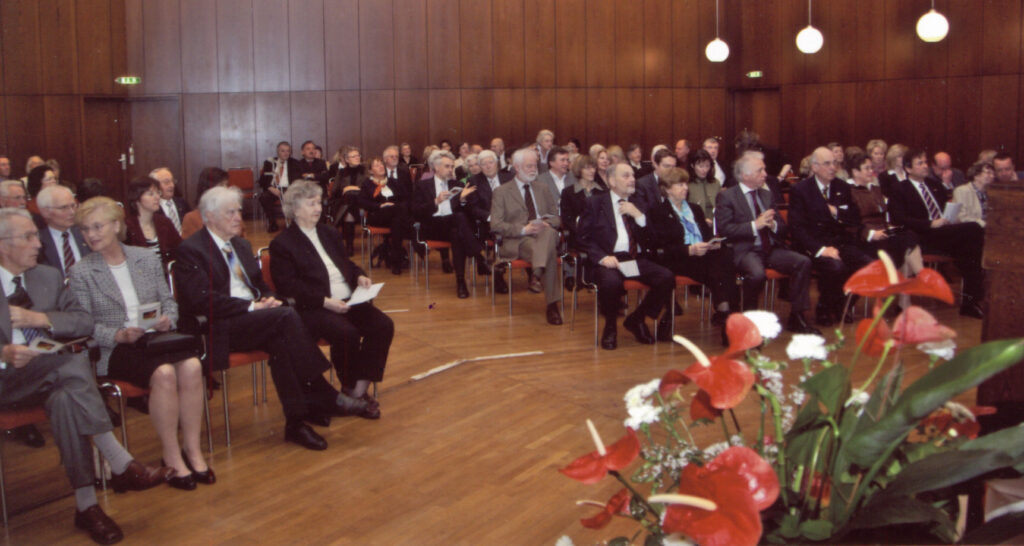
(717, 50)
(809, 40)
(932, 26)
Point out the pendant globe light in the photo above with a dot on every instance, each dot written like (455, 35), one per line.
(932, 26)
(809, 40)
(717, 50)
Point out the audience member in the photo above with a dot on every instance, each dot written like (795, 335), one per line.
(878, 150)
(973, 196)
(498, 147)
(309, 263)
(840, 161)
(12, 194)
(525, 215)
(682, 152)
(61, 239)
(5, 168)
(386, 202)
(38, 178)
(209, 177)
(703, 187)
(274, 181)
(308, 167)
(405, 155)
(348, 173)
(943, 170)
(545, 141)
(146, 225)
(711, 145)
(557, 177)
(648, 193)
(116, 281)
(573, 146)
(173, 206)
(571, 206)
(890, 179)
(89, 188)
(1005, 172)
(31, 163)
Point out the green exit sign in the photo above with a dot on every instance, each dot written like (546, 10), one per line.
(128, 80)
(755, 74)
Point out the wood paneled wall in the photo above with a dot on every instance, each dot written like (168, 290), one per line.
(249, 73)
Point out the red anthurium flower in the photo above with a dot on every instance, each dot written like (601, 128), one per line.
(742, 333)
(726, 380)
(701, 407)
(618, 504)
(915, 325)
(671, 381)
(873, 281)
(876, 343)
(593, 466)
(762, 483)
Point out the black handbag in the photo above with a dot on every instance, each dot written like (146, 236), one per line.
(162, 343)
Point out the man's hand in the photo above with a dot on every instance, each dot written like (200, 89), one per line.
(766, 219)
(274, 191)
(699, 249)
(128, 335)
(442, 196)
(879, 236)
(466, 192)
(833, 210)
(266, 303)
(163, 325)
(308, 176)
(18, 355)
(364, 281)
(24, 318)
(629, 208)
(387, 204)
(830, 252)
(533, 228)
(335, 306)
(610, 262)
(939, 222)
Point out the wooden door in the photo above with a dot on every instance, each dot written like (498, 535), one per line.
(156, 137)
(105, 131)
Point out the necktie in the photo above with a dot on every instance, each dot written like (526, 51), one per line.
(763, 232)
(172, 212)
(929, 201)
(531, 210)
(983, 201)
(235, 267)
(279, 174)
(824, 192)
(627, 221)
(20, 298)
(69, 256)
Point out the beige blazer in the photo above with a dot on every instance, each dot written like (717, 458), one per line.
(509, 215)
(970, 206)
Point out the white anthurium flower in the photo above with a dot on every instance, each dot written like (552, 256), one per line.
(944, 349)
(807, 346)
(767, 323)
(564, 540)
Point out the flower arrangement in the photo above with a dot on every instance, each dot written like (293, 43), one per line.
(831, 461)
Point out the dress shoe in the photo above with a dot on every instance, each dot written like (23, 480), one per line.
(185, 483)
(460, 289)
(500, 286)
(318, 419)
(609, 337)
(446, 266)
(638, 327)
(719, 318)
(396, 270)
(101, 528)
(299, 432)
(569, 283)
(971, 309)
(535, 285)
(138, 477)
(347, 406)
(798, 325)
(29, 435)
(207, 476)
(664, 331)
(554, 314)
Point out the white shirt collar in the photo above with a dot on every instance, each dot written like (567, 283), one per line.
(218, 241)
(7, 278)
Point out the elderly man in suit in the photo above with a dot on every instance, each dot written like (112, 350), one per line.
(821, 215)
(173, 206)
(918, 204)
(745, 215)
(37, 305)
(62, 241)
(614, 232)
(485, 182)
(273, 181)
(217, 276)
(12, 194)
(557, 177)
(309, 166)
(525, 215)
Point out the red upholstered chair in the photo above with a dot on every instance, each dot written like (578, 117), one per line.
(244, 179)
(629, 285)
(11, 419)
(371, 234)
(427, 246)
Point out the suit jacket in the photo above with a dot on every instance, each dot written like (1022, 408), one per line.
(597, 233)
(571, 205)
(970, 205)
(647, 195)
(267, 172)
(811, 223)
(404, 179)
(547, 179)
(367, 201)
(52, 250)
(509, 215)
(733, 217)
(423, 206)
(907, 208)
(181, 205)
(670, 235)
(480, 200)
(204, 287)
(97, 291)
(297, 270)
(166, 235)
(318, 168)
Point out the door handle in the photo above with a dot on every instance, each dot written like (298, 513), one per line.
(123, 160)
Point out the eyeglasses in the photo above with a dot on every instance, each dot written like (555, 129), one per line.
(65, 208)
(95, 228)
(28, 236)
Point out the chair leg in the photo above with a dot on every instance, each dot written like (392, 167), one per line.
(124, 416)
(255, 386)
(3, 489)
(596, 336)
(227, 414)
(263, 377)
(206, 416)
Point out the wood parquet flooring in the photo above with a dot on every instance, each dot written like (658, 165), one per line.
(466, 456)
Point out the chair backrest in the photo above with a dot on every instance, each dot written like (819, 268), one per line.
(241, 178)
(264, 254)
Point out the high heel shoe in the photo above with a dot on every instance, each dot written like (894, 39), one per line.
(185, 483)
(205, 476)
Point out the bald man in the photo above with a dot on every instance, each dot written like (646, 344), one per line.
(947, 176)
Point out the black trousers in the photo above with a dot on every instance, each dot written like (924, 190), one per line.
(832, 274)
(964, 243)
(895, 245)
(458, 230)
(271, 205)
(395, 218)
(360, 340)
(296, 363)
(714, 269)
(610, 289)
(752, 265)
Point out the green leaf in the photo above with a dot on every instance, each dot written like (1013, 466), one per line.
(899, 511)
(831, 386)
(790, 527)
(1008, 440)
(816, 529)
(967, 370)
(996, 531)
(941, 470)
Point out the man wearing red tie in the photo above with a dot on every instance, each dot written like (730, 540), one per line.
(62, 241)
(274, 180)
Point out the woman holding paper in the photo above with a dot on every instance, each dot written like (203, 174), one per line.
(126, 292)
(308, 262)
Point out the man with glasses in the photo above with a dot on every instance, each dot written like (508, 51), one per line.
(63, 245)
(12, 194)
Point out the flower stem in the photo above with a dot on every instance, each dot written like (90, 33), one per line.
(725, 429)
(780, 461)
(874, 324)
(735, 421)
(636, 495)
(878, 367)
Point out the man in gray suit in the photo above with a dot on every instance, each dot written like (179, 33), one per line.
(524, 214)
(62, 241)
(557, 177)
(37, 305)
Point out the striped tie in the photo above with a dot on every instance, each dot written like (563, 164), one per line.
(236, 267)
(69, 256)
(933, 208)
(20, 298)
(171, 212)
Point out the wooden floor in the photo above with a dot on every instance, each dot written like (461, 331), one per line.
(466, 456)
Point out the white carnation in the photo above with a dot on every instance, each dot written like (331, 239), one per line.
(564, 540)
(641, 414)
(767, 323)
(807, 346)
(944, 349)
